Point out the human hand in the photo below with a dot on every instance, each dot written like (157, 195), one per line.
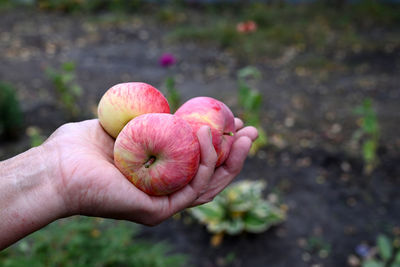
(89, 183)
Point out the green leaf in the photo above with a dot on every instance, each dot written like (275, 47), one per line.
(254, 224)
(385, 247)
(76, 90)
(373, 263)
(208, 212)
(234, 227)
(249, 72)
(369, 150)
(105, 242)
(397, 257)
(68, 66)
(243, 93)
(217, 226)
(172, 94)
(11, 117)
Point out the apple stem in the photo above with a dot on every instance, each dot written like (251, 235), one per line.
(149, 162)
(230, 134)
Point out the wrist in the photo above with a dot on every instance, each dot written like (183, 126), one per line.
(29, 198)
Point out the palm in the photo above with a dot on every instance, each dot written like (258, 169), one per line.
(92, 185)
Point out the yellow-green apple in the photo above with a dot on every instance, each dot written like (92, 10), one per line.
(201, 111)
(159, 153)
(125, 101)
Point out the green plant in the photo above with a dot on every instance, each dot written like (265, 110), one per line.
(250, 101)
(172, 94)
(35, 136)
(316, 244)
(239, 208)
(368, 134)
(83, 241)
(10, 112)
(68, 91)
(385, 254)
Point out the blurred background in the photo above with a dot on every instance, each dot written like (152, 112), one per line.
(319, 79)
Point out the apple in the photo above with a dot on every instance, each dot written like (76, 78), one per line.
(208, 111)
(125, 101)
(159, 153)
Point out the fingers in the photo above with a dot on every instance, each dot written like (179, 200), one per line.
(228, 171)
(208, 158)
(208, 182)
(237, 156)
(238, 124)
(249, 131)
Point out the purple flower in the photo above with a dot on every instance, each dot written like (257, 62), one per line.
(362, 250)
(167, 60)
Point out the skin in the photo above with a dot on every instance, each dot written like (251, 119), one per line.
(200, 111)
(73, 173)
(125, 101)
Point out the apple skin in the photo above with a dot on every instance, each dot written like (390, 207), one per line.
(208, 111)
(158, 153)
(125, 101)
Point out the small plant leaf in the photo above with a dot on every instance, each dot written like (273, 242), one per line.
(369, 150)
(208, 212)
(249, 72)
(385, 247)
(373, 263)
(68, 66)
(235, 227)
(397, 257)
(240, 207)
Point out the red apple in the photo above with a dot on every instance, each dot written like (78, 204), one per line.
(208, 111)
(125, 101)
(158, 153)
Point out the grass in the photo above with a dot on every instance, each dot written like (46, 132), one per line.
(11, 117)
(68, 91)
(313, 27)
(83, 241)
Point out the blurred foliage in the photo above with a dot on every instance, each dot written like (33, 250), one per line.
(68, 91)
(385, 254)
(327, 31)
(240, 207)
(89, 5)
(84, 241)
(314, 27)
(368, 134)
(172, 94)
(11, 118)
(250, 101)
(35, 135)
(316, 244)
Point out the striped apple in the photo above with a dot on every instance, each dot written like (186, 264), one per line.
(208, 111)
(125, 101)
(158, 153)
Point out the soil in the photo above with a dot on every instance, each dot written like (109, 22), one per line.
(308, 116)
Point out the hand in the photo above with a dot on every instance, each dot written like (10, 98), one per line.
(90, 184)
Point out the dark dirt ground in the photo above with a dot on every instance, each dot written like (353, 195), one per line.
(308, 116)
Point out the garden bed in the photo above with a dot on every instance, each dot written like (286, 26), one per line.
(307, 112)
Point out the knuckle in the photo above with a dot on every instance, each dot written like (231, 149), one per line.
(205, 200)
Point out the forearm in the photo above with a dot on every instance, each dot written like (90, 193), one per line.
(28, 197)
